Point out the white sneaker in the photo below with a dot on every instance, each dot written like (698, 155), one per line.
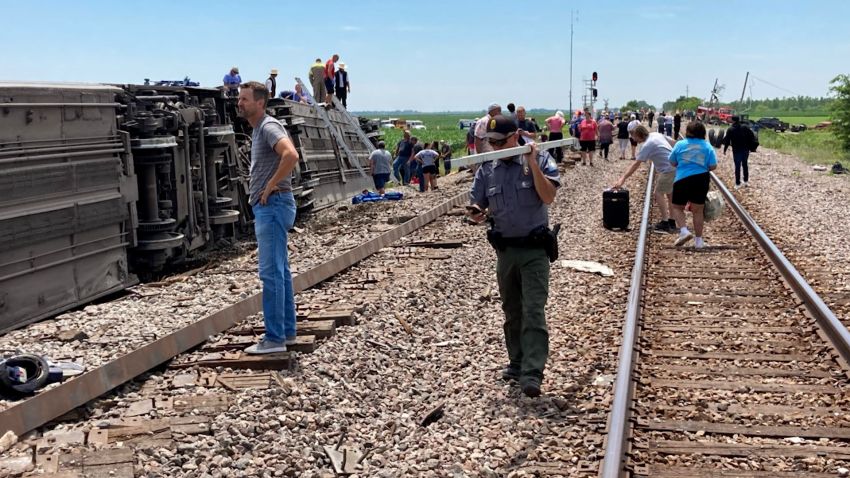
(737, 187)
(683, 238)
(699, 243)
(746, 184)
(266, 347)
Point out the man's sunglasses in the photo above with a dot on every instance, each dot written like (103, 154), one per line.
(499, 142)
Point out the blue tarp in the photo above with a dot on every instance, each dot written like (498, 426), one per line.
(370, 196)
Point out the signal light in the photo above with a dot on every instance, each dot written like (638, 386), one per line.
(594, 76)
(594, 92)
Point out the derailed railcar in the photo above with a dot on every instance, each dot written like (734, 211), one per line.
(101, 183)
(67, 199)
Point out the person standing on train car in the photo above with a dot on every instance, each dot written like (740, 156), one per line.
(273, 157)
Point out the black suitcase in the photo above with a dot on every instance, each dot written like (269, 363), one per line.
(615, 208)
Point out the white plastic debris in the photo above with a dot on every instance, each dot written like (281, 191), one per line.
(7, 440)
(588, 266)
(795, 440)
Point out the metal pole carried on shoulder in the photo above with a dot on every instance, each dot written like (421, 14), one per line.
(510, 152)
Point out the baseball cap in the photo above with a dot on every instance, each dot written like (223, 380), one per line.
(235, 69)
(274, 71)
(341, 65)
(500, 127)
(493, 106)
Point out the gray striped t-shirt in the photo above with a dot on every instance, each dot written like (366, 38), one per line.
(264, 161)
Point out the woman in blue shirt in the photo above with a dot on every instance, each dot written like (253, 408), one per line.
(693, 157)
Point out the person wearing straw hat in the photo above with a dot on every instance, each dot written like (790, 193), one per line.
(231, 82)
(271, 83)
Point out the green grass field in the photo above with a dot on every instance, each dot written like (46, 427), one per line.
(812, 146)
(806, 120)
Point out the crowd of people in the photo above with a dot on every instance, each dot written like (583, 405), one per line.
(512, 194)
(328, 79)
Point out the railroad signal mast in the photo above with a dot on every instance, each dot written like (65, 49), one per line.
(589, 99)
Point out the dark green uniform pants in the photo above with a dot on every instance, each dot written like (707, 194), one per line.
(523, 276)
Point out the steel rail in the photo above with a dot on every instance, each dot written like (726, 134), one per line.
(835, 331)
(618, 418)
(49, 404)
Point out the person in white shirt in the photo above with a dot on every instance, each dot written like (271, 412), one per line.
(656, 148)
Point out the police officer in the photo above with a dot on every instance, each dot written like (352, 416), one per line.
(514, 193)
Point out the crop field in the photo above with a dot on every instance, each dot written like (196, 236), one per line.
(812, 146)
(442, 127)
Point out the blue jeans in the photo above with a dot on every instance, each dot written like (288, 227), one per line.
(416, 168)
(401, 170)
(271, 224)
(668, 128)
(740, 156)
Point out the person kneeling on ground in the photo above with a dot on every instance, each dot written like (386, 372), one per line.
(656, 148)
(694, 158)
(380, 166)
(515, 192)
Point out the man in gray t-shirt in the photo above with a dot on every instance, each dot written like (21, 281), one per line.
(380, 166)
(273, 157)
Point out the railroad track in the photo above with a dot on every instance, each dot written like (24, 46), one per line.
(730, 364)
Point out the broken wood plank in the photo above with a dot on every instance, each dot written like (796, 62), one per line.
(280, 361)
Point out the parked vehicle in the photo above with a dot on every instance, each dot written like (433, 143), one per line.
(796, 128)
(466, 123)
(415, 124)
(772, 123)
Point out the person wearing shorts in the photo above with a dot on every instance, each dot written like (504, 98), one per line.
(380, 166)
(656, 148)
(427, 159)
(694, 158)
(588, 129)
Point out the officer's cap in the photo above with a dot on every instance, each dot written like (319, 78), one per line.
(500, 127)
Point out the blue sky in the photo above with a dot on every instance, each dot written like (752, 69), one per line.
(440, 55)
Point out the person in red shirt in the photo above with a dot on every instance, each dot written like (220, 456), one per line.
(587, 137)
(330, 71)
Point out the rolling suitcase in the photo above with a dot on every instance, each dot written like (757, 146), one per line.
(615, 208)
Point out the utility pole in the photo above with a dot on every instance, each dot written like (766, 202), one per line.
(687, 92)
(746, 79)
(571, 60)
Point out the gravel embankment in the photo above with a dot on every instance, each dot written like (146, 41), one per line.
(434, 336)
(152, 310)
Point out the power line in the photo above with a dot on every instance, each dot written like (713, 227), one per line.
(775, 86)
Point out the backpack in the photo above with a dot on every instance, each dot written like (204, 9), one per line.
(754, 141)
(837, 168)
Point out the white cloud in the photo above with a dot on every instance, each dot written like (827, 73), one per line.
(350, 28)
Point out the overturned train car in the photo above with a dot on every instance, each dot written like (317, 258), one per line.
(102, 183)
